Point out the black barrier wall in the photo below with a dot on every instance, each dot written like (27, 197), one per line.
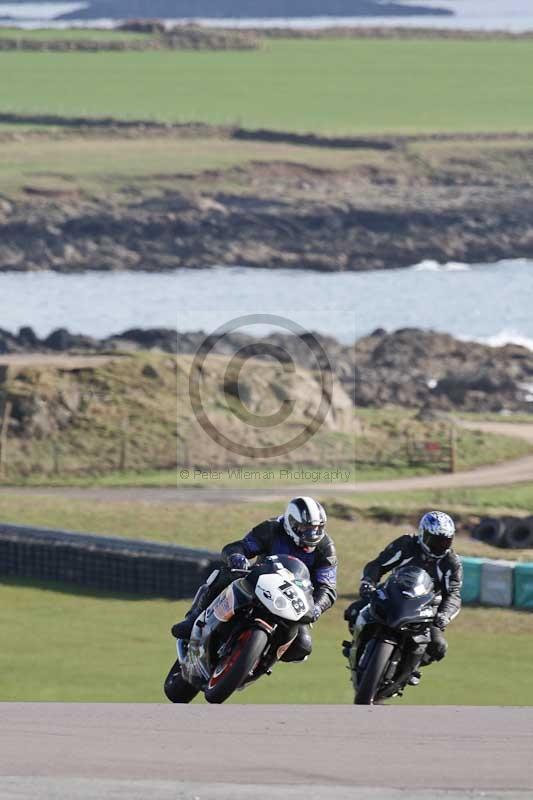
(100, 562)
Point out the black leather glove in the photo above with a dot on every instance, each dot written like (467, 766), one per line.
(366, 590)
(238, 561)
(350, 613)
(441, 621)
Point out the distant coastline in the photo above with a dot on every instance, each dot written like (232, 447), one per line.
(228, 9)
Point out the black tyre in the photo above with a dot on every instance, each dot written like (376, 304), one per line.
(519, 533)
(491, 530)
(176, 688)
(377, 663)
(231, 672)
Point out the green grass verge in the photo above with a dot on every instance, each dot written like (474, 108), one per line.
(70, 647)
(483, 500)
(333, 86)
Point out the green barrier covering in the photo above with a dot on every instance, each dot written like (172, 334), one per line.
(471, 590)
(523, 586)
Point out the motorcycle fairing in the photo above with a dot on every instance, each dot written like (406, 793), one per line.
(403, 609)
(222, 610)
(399, 612)
(281, 596)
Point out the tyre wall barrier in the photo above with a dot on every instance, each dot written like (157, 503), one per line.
(510, 532)
(523, 586)
(471, 591)
(100, 562)
(497, 583)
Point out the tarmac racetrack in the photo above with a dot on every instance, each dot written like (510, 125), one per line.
(164, 752)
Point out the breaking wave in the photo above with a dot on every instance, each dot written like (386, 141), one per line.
(434, 266)
(500, 339)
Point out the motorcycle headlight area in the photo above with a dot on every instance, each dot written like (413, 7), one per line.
(281, 603)
(417, 591)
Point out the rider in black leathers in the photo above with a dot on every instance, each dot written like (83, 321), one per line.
(431, 549)
(299, 532)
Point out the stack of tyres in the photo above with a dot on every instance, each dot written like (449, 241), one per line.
(519, 533)
(509, 532)
(491, 530)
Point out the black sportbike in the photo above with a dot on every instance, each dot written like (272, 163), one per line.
(391, 635)
(244, 632)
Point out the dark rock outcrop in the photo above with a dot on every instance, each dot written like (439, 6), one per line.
(412, 368)
(197, 231)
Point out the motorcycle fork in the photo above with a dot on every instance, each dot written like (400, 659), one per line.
(281, 639)
(409, 660)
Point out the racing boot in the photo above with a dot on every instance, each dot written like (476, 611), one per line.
(414, 680)
(182, 630)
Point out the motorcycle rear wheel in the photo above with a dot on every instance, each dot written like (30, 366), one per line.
(367, 689)
(232, 671)
(176, 688)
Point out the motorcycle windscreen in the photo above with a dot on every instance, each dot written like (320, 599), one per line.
(407, 597)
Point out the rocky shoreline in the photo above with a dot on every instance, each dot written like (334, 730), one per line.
(410, 367)
(290, 216)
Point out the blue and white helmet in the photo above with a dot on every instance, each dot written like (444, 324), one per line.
(305, 522)
(435, 533)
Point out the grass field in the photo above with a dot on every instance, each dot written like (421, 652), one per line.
(96, 164)
(493, 499)
(67, 645)
(335, 86)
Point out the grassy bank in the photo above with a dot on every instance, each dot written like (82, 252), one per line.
(334, 86)
(100, 425)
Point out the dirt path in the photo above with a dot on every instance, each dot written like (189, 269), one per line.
(503, 474)
(520, 430)
(163, 751)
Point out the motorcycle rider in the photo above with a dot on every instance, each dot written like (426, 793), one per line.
(431, 549)
(300, 532)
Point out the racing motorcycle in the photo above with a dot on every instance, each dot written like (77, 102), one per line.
(391, 635)
(244, 632)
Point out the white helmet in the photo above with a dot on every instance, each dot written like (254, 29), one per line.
(435, 533)
(305, 522)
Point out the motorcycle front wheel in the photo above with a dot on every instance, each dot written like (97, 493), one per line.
(231, 672)
(371, 679)
(176, 688)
